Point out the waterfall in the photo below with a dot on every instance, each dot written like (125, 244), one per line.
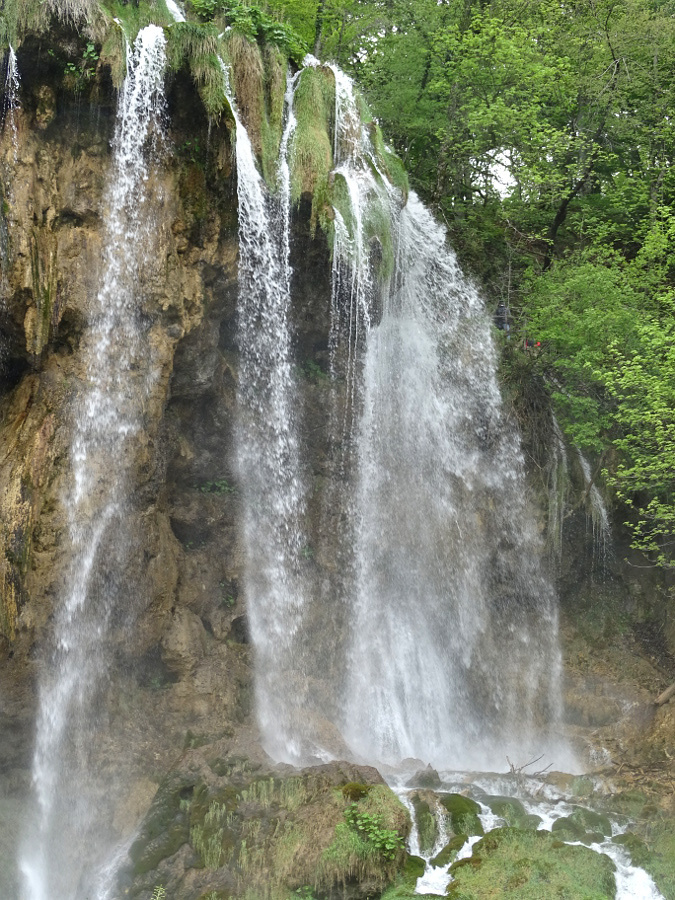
(106, 423)
(453, 657)
(602, 532)
(267, 452)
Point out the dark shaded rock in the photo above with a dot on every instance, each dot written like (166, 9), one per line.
(425, 778)
(239, 630)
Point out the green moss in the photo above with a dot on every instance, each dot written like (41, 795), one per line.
(165, 828)
(134, 17)
(198, 47)
(272, 125)
(463, 812)
(531, 865)
(427, 827)
(512, 811)
(413, 868)
(405, 892)
(567, 829)
(377, 232)
(352, 791)
(311, 153)
(113, 54)
(591, 821)
(450, 851)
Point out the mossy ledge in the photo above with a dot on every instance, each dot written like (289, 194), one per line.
(233, 826)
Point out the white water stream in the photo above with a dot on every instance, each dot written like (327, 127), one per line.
(11, 100)
(63, 841)
(267, 450)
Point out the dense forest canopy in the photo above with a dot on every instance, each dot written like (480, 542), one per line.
(542, 133)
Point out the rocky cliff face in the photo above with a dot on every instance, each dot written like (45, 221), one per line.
(182, 670)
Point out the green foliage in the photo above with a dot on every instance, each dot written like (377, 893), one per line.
(159, 893)
(368, 827)
(221, 486)
(77, 74)
(198, 46)
(253, 23)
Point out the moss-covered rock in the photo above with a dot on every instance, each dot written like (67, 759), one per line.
(512, 811)
(450, 851)
(531, 865)
(255, 832)
(656, 854)
(413, 868)
(427, 826)
(425, 778)
(463, 813)
(591, 821)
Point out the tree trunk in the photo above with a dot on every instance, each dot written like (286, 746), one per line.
(318, 27)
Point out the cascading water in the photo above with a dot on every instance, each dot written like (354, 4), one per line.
(602, 532)
(62, 850)
(454, 655)
(267, 451)
(175, 11)
(10, 105)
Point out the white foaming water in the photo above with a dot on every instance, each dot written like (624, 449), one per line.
(175, 11)
(62, 850)
(454, 656)
(602, 531)
(267, 451)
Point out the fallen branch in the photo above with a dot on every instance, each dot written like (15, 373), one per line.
(520, 770)
(665, 696)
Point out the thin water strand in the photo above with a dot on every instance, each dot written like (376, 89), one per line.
(602, 531)
(11, 102)
(106, 421)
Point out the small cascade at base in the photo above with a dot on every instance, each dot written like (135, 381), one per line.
(536, 799)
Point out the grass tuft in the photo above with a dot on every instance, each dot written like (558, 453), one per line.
(312, 150)
(248, 84)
